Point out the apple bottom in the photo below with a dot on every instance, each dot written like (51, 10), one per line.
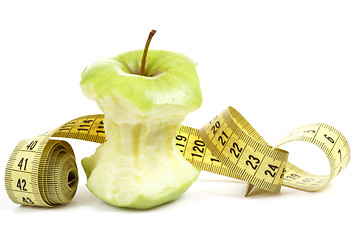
(119, 181)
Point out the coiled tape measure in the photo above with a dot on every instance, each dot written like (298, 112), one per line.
(43, 172)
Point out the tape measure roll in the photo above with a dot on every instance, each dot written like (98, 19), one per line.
(43, 172)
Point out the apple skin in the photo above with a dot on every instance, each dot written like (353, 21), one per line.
(170, 78)
(139, 165)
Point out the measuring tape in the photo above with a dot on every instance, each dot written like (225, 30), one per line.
(42, 171)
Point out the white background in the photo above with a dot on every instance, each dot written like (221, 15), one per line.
(281, 64)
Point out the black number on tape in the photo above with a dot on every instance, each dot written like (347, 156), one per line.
(329, 138)
(215, 127)
(272, 167)
(21, 184)
(222, 139)
(199, 147)
(23, 162)
(236, 150)
(250, 163)
(31, 145)
(27, 200)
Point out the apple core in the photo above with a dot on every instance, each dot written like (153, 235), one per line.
(139, 165)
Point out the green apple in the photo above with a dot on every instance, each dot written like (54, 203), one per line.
(144, 102)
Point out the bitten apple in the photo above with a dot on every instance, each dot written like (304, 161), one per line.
(145, 95)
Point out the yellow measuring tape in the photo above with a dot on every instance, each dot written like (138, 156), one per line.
(42, 171)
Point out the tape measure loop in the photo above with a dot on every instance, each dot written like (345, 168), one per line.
(238, 146)
(331, 142)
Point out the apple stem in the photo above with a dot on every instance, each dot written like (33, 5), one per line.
(143, 61)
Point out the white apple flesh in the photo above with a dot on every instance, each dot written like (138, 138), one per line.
(139, 165)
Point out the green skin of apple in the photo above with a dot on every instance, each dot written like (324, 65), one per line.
(139, 165)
